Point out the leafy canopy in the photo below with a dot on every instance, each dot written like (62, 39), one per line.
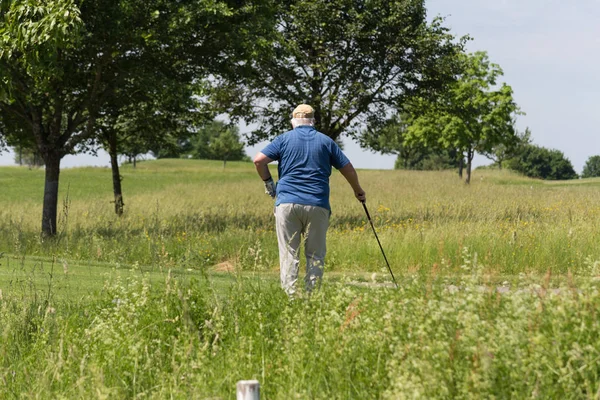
(389, 138)
(473, 115)
(352, 60)
(217, 141)
(592, 167)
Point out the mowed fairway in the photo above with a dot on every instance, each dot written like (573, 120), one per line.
(179, 297)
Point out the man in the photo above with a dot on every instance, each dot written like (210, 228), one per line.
(305, 159)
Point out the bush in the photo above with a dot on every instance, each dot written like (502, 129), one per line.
(540, 162)
(592, 167)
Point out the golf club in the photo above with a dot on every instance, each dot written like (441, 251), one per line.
(377, 237)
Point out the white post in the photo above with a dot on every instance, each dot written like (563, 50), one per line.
(248, 390)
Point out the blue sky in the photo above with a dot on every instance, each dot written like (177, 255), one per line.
(550, 53)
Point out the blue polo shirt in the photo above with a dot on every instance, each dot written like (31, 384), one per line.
(305, 158)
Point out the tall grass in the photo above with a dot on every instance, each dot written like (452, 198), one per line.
(129, 308)
(188, 340)
(191, 214)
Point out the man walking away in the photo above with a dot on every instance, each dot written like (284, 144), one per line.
(305, 158)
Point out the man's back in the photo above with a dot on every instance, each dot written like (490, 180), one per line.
(305, 159)
(302, 209)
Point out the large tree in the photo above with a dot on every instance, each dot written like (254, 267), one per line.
(352, 60)
(60, 60)
(474, 115)
(36, 43)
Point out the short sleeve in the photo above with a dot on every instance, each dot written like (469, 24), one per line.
(338, 158)
(273, 150)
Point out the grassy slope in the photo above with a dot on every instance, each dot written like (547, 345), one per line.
(188, 214)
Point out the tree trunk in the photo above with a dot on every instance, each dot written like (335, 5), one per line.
(461, 166)
(134, 161)
(116, 176)
(470, 155)
(49, 210)
(21, 155)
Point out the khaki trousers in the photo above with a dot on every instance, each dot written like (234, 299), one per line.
(292, 221)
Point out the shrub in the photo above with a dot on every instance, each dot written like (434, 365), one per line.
(540, 162)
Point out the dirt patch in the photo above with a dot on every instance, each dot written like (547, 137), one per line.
(225, 266)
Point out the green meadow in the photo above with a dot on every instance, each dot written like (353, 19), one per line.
(179, 297)
(195, 214)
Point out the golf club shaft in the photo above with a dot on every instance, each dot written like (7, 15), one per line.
(377, 237)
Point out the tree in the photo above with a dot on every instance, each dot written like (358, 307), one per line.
(227, 146)
(542, 163)
(12, 135)
(60, 61)
(141, 118)
(217, 141)
(352, 61)
(35, 48)
(592, 167)
(29, 156)
(503, 152)
(470, 117)
(389, 138)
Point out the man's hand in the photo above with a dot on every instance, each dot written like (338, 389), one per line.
(270, 187)
(361, 195)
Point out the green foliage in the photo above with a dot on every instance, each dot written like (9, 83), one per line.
(158, 123)
(434, 161)
(351, 60)
(591, 168)
(539, 162)
(472, 116)
(217, 141)
(33, 36)
(388, 137)
(503, 152)
(63, 61)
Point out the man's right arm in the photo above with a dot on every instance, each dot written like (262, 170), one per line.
(351, 176)
(261, 162)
